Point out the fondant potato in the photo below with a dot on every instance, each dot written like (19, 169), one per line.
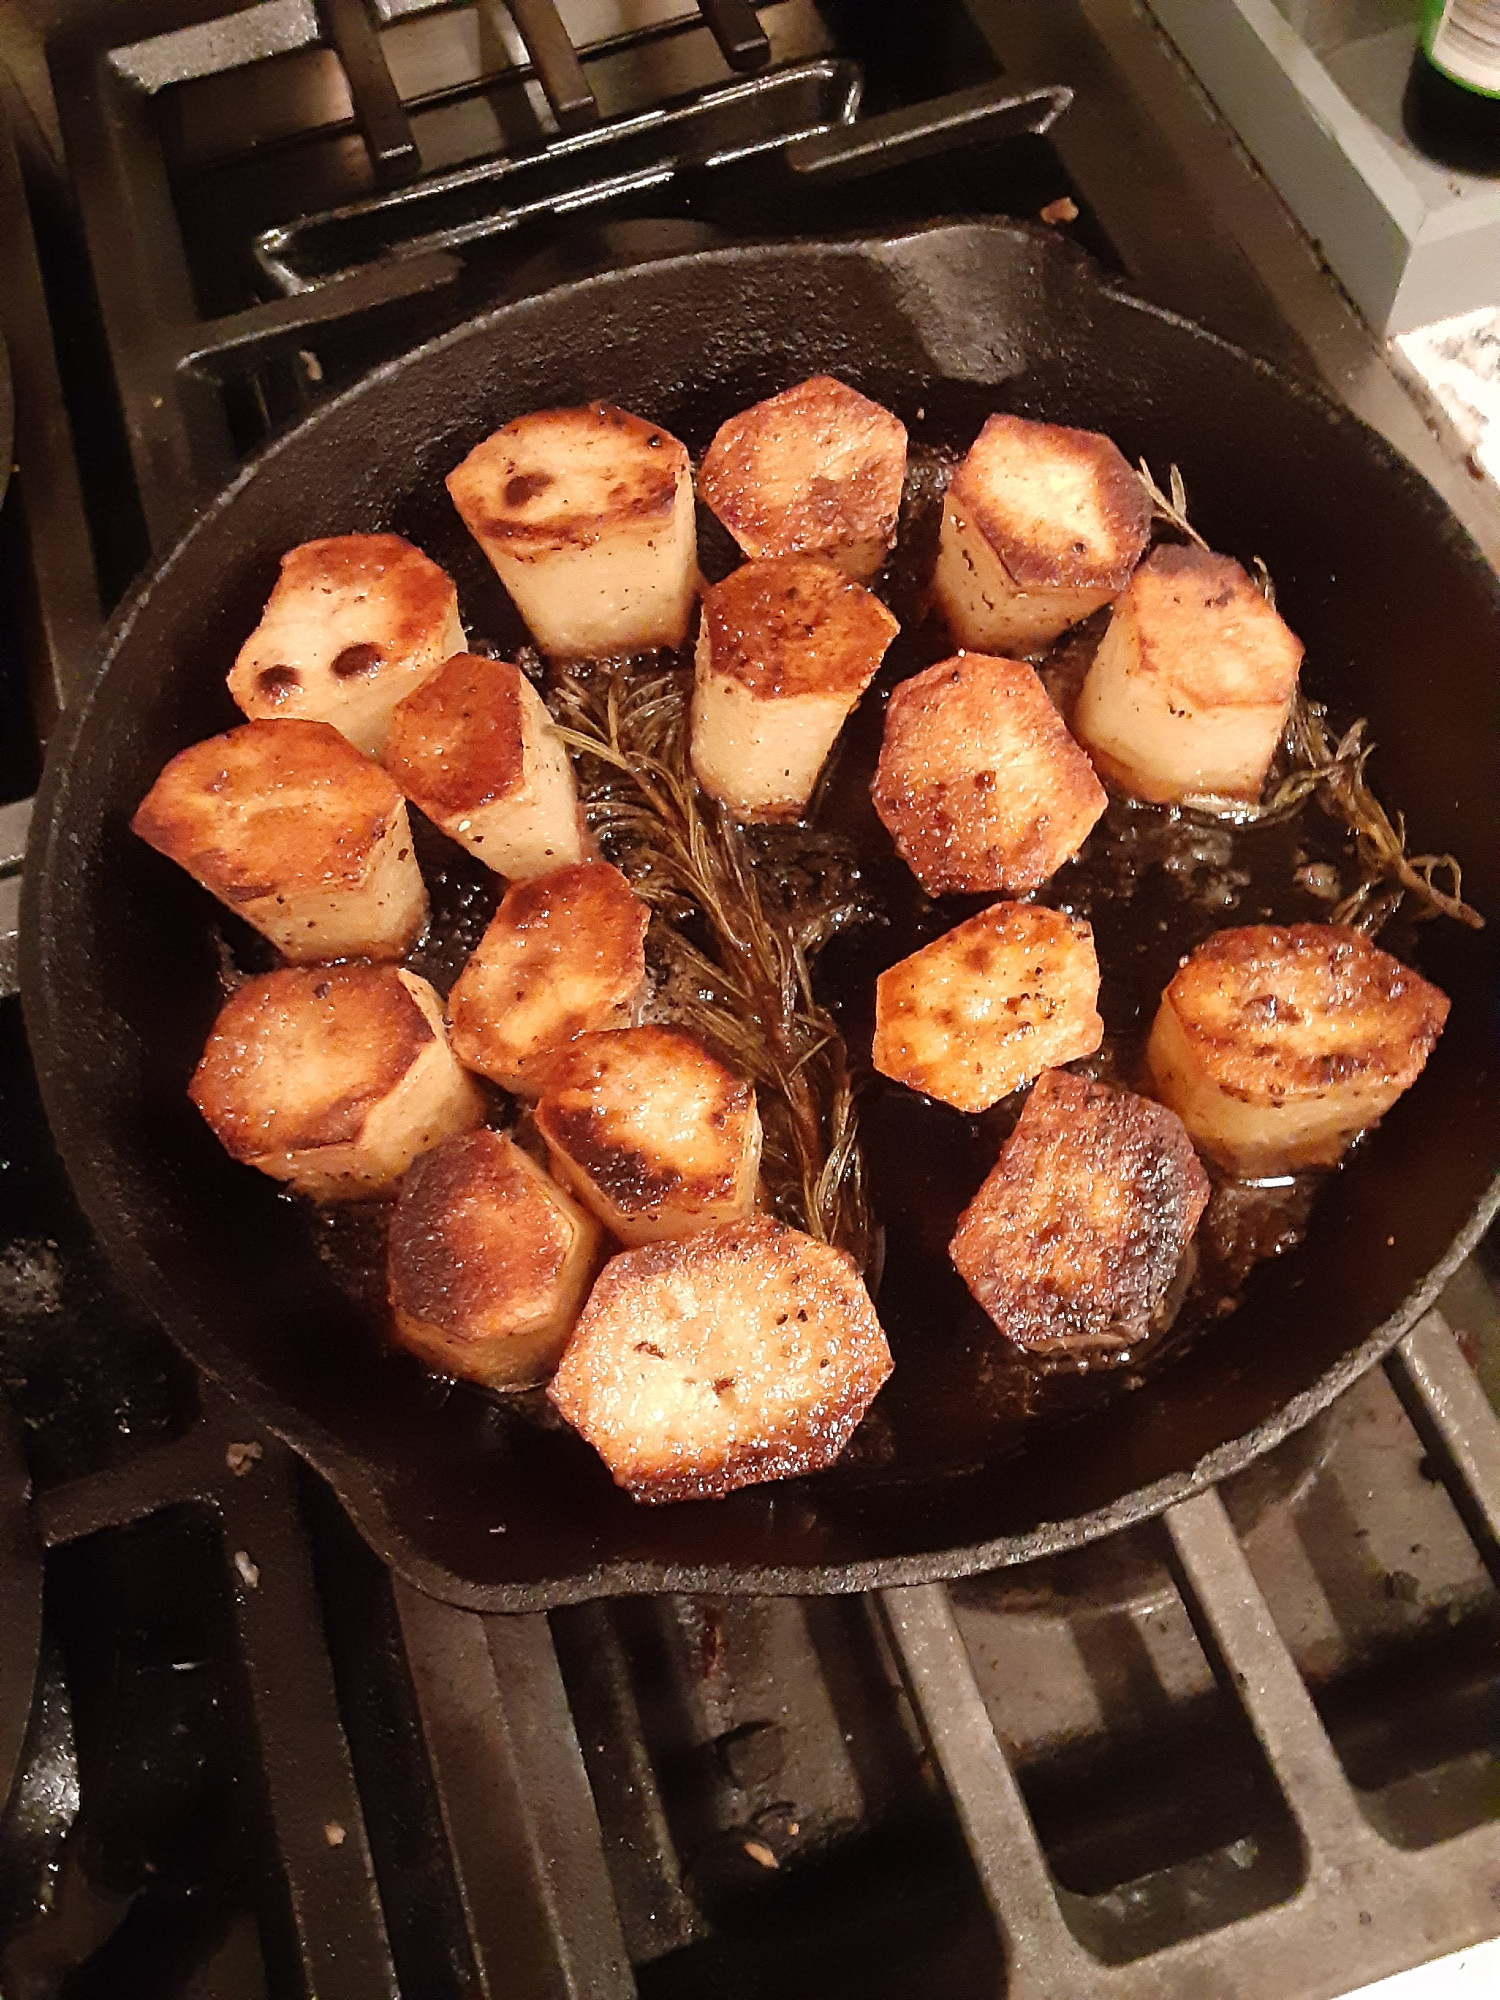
(1277, 1046)
(587, 516)
(489, 1262)
(291, 828)
(745, 1353)
(333, 1078)
(354, 623)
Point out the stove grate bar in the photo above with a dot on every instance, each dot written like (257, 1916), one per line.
(378, 110)
(555, 61)
(519, 1817)
(1449, 1412)
(1363, 1908)
(736, 28)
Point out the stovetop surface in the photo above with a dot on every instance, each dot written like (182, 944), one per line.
(1246, 1750)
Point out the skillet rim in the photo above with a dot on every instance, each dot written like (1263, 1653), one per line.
(354, 1483)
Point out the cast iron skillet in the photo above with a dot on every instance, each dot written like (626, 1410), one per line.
(1400, 618)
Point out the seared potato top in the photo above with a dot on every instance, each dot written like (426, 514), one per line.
(347, 605)
(648, 1114)
(1079, 1229)
(1201, 625)
(979, 783)
(298, 1058)
(1058, 506)
(560, 478)
(269, 808)
(562, 954)
(795, 625)
(458, 741)
(480, 1231)
(743, 1353)
(1272, 1011)
(816, 465)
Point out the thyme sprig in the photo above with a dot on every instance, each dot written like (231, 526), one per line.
(734, 936)
(1316, 762)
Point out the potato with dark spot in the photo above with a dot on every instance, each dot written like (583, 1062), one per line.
(587, 518)
(1190, 688)
(563, 956)
(291, 828)
(786, 647)
(979, 784)
(650, 1131)
(489, 1262)
(476, 750)
(354, 624)
(1042, 525)
(1277, 1046)
(333, 1078)
(990, 1005)
(744, 1353)
(1077, 1234)
(816, 470)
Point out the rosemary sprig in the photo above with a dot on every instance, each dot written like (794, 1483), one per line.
(1316, 762)
(734, 937)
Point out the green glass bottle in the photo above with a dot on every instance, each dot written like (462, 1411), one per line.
(1452, 106)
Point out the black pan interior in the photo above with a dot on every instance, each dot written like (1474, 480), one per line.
(1399, 615)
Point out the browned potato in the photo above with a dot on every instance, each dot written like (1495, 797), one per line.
(984, 1009)
(587, 517)
(747, 1352)
(1042, 525)
(564, 954)
(786, 648)
(1277, 1047)
(650, 1131)
(333, 1078)
(489, 1262)
(354, 624)
(1078, 1232)
(1189, 690)
(287, 824)
(476, 750)
(816, 470)
(979, 784)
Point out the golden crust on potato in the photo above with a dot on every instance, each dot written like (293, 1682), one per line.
(1077, 1233)
(354, 623)
(786, 647)
(1189, 689)
(649, 1130)
(332, 1078)
(587, 517)
(489, 1262)
(286, 823)
(1277, 1045)
(745, 1353)
(784, 626)
(815, 470)
(985, 1008)
(1060, 507)
(563, 956)
(475, 749)
(979, 783)
(1041, 526)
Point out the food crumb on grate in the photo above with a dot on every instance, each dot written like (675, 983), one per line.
(333, 1833)
(1064, 209)
(240, 1457)
(249, 1571)
(758, 1851)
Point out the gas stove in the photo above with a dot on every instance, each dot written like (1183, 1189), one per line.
(1247, 1750)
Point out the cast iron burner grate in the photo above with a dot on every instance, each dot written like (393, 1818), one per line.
(1242, 1751)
